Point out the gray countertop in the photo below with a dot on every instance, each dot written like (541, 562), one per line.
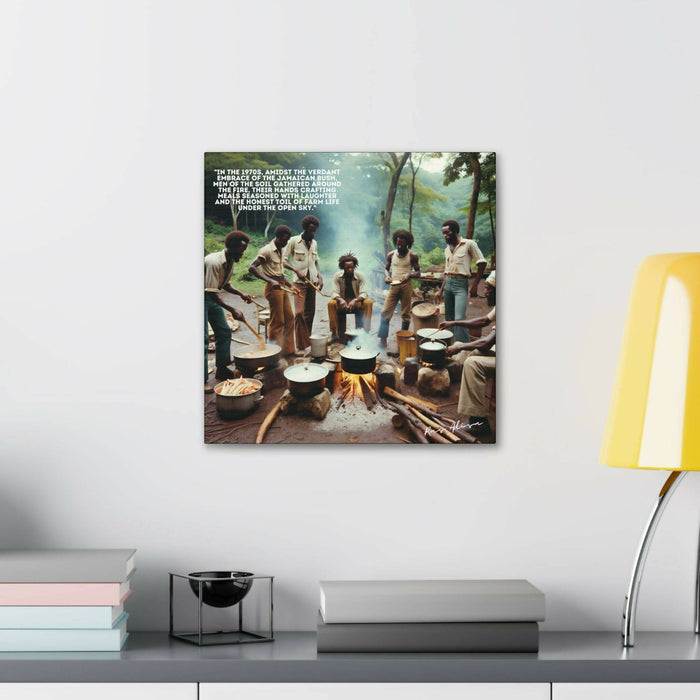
(563, 657)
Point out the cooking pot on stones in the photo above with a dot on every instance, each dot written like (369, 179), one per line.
(307, 379)
(358, 360)
(254, 357)
(446, 335)
(221, 589)
(432, 351)
(234, 406)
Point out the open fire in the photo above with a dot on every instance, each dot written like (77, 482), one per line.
(351, 388)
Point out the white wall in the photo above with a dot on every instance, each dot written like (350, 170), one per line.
(107, 108)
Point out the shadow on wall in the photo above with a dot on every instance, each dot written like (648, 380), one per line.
(17, 529)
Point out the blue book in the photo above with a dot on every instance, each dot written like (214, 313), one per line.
(112, 639)
(59, 616)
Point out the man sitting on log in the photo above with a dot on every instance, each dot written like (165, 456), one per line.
(349, 297)
(479, 365)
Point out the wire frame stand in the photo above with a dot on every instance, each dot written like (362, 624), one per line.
(200, 637)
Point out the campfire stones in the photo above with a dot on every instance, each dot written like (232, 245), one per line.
(273, 378)
(455, 370)
(316, 406)
(433, 382)
(410, 370)
(386, 376)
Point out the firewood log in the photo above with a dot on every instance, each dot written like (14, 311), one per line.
(269, 418)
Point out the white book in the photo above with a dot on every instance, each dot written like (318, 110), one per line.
(445, 600)
(66, 565)
(59, 616)
(67, 639)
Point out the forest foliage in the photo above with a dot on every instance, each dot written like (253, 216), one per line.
(433, 187)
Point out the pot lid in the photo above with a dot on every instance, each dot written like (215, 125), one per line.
(308, 372)
(357, 352)
(433, 334)
(424, 310)
(432, 345)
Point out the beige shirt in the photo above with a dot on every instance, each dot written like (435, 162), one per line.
(303, 258)
(273, 260)
(359, 286)
(459, 262)
(215, 273)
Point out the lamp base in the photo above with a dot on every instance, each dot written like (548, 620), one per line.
(629, 613)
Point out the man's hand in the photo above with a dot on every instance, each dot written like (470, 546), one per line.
(236, 314)
(452, 350)
(473, 292)
(387, 279)
(320, 282)
(247, 298)
(446, 324)
(352, 305)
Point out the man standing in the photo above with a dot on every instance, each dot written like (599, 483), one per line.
(459, 255)
(302, 252)
(398, 276)
(269, 266)
(349, 297)
(218, 268)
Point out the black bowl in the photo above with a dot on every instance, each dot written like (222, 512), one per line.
(231, 589)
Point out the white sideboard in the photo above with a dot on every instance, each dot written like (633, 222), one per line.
(374, 691)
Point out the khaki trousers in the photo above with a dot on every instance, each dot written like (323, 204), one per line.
(304, 311)
(337, 319)
(472, 392)
(281, 329)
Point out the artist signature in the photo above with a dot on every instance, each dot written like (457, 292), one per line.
(456, 425)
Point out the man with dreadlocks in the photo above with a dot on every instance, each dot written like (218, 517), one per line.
(398, 276)
(349, 297)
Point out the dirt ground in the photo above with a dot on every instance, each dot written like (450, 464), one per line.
(351, 423)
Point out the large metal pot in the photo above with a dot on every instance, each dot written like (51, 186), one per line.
(306, 380)
(253, 357)
(432, 351)
(446, 335)
(358, 360)
(234, 406)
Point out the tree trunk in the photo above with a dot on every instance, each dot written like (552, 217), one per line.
(234, 215)
(391, 196)
(476, 167)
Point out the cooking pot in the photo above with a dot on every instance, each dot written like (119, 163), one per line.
(253, 357)
(221, 589)
(238, 405)
(358, 360)
(432, 351)
(319, 345)
(446, 335)
(308, 379)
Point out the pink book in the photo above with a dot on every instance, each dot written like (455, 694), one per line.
(64, 593)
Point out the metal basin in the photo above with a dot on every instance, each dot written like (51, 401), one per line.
(253, 357)
(238, 405)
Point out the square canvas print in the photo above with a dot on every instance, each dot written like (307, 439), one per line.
(350, 298)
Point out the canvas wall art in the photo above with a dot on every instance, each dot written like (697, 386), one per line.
(350, 298)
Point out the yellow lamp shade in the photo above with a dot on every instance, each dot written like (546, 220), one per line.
(654, 419)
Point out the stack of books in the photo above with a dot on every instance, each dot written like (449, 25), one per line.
(429, 616)
(64, 599)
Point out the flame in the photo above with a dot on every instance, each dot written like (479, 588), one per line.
(350, 386)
